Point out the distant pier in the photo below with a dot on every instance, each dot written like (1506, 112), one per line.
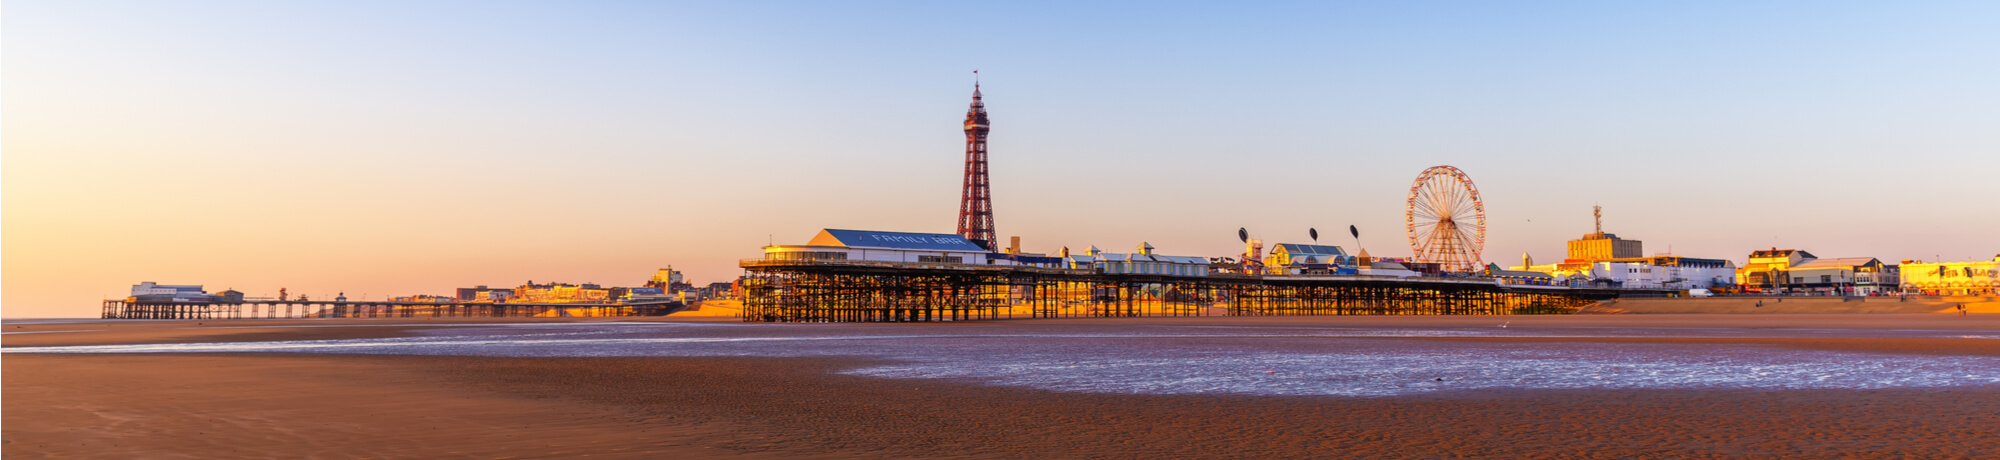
(121, 309)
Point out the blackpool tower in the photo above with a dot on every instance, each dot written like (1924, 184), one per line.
(975, 208)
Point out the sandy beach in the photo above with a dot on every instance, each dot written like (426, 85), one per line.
(180, 405)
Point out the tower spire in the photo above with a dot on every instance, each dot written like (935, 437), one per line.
(975, 208)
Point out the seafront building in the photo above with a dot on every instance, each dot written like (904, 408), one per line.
(1677, 272)
(1664, 272)
(419, 298)
(482, 293)
(1843, 276)
(1951, 278)
(667, 281)
(1603, 246)
(719, 290)
(665, 277)
(1604, 260)
(1794, 271)
(560, 293)
(1767, 270)
(1657, 272)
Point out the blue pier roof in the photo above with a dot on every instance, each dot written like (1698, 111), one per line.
(894, 240)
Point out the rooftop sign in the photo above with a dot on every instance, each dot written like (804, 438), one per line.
(894, 240)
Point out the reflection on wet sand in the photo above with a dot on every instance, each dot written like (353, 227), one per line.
(1214, 359)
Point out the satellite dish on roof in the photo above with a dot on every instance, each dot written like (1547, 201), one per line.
(1243, 234)
(1315, 234)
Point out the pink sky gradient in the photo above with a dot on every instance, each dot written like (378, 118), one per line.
(397, 149)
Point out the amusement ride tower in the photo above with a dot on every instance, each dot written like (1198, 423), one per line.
(975, 208)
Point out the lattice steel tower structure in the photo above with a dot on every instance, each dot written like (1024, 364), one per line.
(975, 208)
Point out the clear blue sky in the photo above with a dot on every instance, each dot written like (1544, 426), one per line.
(413, 147)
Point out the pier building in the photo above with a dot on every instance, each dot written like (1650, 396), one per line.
(1301, 259)
(1521, 277)
(864, 245)
(1142, 262)
(149, 291)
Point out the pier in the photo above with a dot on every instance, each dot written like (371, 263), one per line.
(121, 309)
(870, 291)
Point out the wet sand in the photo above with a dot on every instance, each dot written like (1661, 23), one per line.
(347, 406)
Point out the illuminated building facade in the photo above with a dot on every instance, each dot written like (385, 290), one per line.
(1841, 276)
(1951, 278)
(560, 293)
(1300, 259)
(1603, 246)
(482, 293)
(1769, 270)
(1657, 272)
(1142, 262)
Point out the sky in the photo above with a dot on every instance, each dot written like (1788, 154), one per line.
(399, 148)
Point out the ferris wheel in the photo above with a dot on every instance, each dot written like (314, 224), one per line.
(1446, 220)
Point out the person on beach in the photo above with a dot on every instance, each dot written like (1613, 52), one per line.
(1961, 309)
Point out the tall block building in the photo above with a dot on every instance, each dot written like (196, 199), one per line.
(1602, 246)
(1598, 245)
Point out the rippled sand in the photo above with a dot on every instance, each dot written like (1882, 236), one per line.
(1222, 387)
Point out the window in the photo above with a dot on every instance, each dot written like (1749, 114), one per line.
(806, 256)
(941, 259)
(1798, 279)
(1825, 278)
